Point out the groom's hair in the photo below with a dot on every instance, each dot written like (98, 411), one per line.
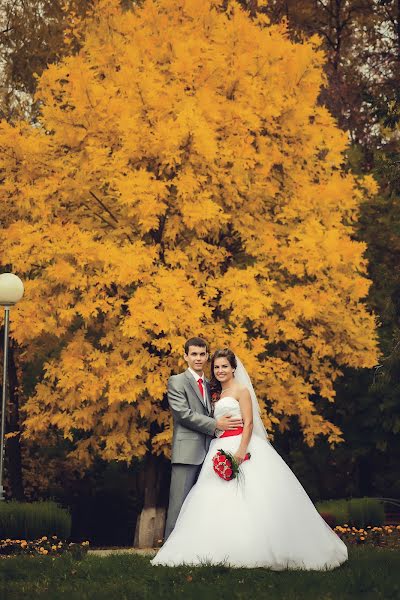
(195, 341)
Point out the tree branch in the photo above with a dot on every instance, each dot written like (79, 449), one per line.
(103, 206)
(99, 215)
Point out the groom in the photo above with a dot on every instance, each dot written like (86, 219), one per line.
(189, 398)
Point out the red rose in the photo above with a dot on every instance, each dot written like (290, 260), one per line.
(225, 466)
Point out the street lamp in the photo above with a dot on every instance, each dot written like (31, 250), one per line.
(11, 291)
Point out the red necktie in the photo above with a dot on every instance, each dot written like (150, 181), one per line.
(200, 383)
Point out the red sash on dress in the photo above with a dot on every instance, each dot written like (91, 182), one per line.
(230, 432)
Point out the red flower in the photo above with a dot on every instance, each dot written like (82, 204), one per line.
(225, 465)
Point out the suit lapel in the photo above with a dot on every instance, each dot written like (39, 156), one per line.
(209, 397)
(195, 388)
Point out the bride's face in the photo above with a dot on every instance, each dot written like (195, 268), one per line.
(223, 370)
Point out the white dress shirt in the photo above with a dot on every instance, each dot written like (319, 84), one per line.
(206, 400)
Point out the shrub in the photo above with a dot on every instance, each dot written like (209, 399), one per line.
(358, 512)
(365, 511)
(29, 521)
(337, 508)
(329, 518)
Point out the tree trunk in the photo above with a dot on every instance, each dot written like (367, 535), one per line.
(151, 521)
(398, 29)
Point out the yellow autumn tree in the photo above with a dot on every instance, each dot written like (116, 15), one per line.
(182, 179)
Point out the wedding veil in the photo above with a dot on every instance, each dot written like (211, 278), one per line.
(241, 376)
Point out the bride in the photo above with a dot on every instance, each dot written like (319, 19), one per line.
(262, 519)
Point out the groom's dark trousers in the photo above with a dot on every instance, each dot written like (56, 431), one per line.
(193, 430)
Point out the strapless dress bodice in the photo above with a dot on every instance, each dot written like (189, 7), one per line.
(227, 406)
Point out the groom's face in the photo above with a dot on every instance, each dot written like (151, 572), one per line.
(196, 358)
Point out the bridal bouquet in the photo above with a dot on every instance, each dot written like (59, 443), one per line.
(225, 465)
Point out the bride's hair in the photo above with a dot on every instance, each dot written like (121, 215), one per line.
(214, 383)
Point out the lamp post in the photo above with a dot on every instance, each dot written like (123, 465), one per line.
(11, 291)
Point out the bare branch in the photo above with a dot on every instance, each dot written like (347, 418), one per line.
(98, 215)
(103, 206)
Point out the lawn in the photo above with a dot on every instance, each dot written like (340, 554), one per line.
(370, 574)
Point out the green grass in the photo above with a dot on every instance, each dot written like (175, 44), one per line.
(370, 574)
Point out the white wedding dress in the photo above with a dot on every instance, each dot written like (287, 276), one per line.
(264, 520)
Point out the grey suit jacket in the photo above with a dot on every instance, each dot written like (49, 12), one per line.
(193, 426)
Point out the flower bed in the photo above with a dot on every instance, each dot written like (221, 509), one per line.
(43, 546)
(386, 536)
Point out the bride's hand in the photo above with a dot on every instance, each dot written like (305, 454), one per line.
(239, 456)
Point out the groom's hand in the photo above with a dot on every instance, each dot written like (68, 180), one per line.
(229, 422)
